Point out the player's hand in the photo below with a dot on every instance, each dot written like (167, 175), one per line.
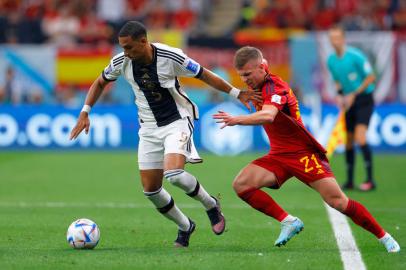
(253, 96)
(83, 123)
(226, 118)
(349, 100)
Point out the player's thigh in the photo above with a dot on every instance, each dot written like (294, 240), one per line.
(151, 179)
(363, 113)
(351, 118)
(177, 144)
(331, 192)
(360, 134)
(150, 149)
(254, 176)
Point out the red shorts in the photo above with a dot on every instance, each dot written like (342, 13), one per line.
(306, 166)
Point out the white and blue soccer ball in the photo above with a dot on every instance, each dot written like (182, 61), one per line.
(83, 234)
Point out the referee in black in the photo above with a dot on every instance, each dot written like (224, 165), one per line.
(355, 83)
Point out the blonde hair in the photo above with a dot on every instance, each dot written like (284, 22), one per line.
(245, 54)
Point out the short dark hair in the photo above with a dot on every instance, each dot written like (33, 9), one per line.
(134, 29)
(245, 54)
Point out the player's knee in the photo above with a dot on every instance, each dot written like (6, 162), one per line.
(360, 140)
(151, 192)
(240, 184)
(151, 187)
(174, 176)
(338, 203)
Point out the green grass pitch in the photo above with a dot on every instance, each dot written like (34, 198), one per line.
(41, 193)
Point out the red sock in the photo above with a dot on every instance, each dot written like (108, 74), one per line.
(263, 202)
(360, 215)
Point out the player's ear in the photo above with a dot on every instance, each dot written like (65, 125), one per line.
(264, 64)
(143, 40)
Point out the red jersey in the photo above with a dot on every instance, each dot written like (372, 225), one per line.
(286, 133)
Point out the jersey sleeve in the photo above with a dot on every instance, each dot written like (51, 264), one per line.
(363, 65)
(113, 70)
(274, 96)
(184, 66)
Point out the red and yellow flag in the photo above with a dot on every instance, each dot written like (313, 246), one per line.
(81, 66)
(337, 136)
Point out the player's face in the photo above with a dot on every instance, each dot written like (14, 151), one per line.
(253, 73)
(337, 39)
(133, 49)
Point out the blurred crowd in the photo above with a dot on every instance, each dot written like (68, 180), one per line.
(68, 22)
(353, 15)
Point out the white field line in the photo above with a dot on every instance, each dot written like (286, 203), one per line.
(60, 204)
(350, 255)
(116, 205)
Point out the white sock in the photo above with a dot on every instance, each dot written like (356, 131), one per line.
(289, 218)
(165, 204)
(383, 238)
(191, 186)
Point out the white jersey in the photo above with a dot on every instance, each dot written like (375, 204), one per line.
(158, 95)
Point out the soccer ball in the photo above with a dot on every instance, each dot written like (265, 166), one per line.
(83, 234)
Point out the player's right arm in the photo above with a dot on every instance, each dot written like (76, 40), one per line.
(109, 74)
(264, 116)
(93, 95)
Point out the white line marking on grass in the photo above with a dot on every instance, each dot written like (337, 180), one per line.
(349, 252)
(112, 205)
(116, 205)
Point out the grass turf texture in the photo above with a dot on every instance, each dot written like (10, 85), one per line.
(135, 236)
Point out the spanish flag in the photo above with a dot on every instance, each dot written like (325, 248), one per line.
(81, 66)
(337, 136)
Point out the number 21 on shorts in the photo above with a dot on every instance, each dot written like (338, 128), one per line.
(309, 163)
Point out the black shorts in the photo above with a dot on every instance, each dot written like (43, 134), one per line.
(360, 111)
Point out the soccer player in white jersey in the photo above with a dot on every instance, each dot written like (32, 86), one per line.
(166, 117)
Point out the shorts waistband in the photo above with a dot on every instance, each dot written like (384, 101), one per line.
(151, 124)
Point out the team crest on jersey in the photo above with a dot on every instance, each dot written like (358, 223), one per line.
(192, 65)
(276, 99)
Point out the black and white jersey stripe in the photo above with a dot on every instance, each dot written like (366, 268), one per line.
(159, 97)
(119, 60)
(171, 55)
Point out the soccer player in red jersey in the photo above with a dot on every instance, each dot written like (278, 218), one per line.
(294, 152)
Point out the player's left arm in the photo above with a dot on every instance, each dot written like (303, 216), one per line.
(365, 67)
(364, 85)
(218, 83)
(190, 68)
(264, 116)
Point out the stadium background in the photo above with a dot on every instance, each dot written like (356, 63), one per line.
(52, 50)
